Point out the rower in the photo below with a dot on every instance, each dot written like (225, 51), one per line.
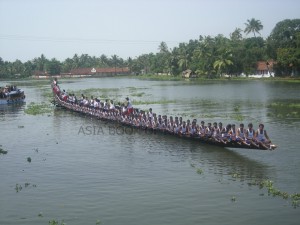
(129, 106)
(250, 135)
(262, 137)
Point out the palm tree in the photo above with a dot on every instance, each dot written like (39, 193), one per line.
(253, 26)
(223, 61)
(163, 47)
(115, 60)
(40, 63)
(236, 34)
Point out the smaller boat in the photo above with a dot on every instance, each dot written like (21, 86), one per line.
(11, 95)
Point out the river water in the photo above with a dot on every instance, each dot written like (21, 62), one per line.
(69, 168)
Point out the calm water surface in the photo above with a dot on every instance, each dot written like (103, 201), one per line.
(83, 171)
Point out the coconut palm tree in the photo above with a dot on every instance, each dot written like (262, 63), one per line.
(253, 26)
(236, 34)
(223, 61)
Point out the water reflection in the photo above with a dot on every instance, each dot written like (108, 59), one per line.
(218, 160)
(11, 111)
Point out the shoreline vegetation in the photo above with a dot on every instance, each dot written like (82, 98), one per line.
(206, 56)
(155, 77)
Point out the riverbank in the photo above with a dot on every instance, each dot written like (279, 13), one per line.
(163, 78)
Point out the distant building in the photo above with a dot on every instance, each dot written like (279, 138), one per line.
(100, 71)
(264, 67)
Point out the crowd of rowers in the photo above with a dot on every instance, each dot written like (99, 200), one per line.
(127, 114)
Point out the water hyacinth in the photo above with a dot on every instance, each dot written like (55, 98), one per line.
(38, 108)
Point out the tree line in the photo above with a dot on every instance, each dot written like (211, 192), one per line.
(207, 56)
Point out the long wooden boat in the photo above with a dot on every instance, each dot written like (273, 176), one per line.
(11, 95)
(61, 101)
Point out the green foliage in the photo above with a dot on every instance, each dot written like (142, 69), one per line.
(207, 56)
(284, 109)
(2, 151)
(40, 108)
(283, 45)
(253, 26)
(56, 222)
(199, 171)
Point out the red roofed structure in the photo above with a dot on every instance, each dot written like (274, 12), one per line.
(264, 67)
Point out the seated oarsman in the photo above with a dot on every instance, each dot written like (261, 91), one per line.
(202, 129)
(149, 122)
(176, 125)
(74, 99)
(222, 130)
(144, 121)
(96, 104)
(232, 132)
(180, 121)
(111, 105)
(150, 114)
(164, 123)
(215, 129)
(193, 129)
(123, 109)
(159, 121)
(86, 102)
(262, 137)
(188, 126)
(106, 104)
(250, 136)
(176, 119)
(183, 129)
(64, 95)
(171, 126)
(216, 134)
(241, 135)
(208, 130)
(154, 123)
(135, 121)
(91, 102)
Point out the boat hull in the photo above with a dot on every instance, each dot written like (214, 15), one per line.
(205, 140)
(8, 101)
(12, 97)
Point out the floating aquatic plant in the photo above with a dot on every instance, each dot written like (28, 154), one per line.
(268, 184)
(199, 171)
(19, 187)
(138, 94)
(38, 108)
(233, 198)
(56, 222)
(29, 159)
(235, 175)
(236, 108)
(163, 101)
(284, 109)
(2, 151)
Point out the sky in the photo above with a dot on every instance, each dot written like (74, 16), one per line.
(126, 28)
